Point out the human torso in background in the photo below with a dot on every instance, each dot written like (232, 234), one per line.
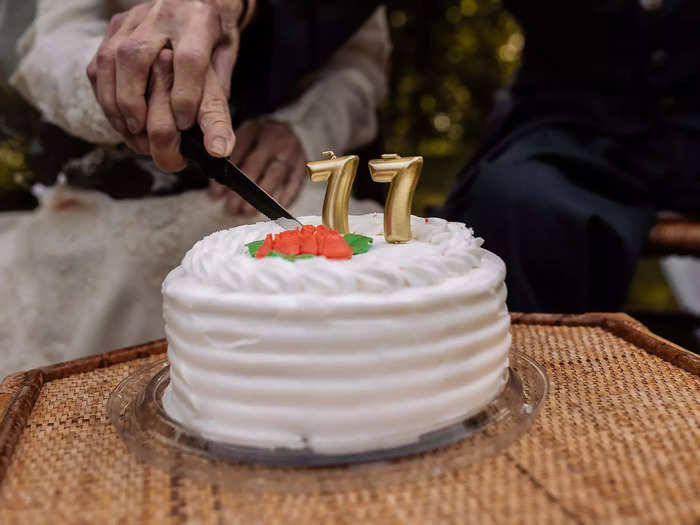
(645, 48)
(631, 68)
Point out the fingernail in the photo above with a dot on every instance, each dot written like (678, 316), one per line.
(133, 125)
(118, 124)
(218, 146)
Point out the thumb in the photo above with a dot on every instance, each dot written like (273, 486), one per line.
(214, 118)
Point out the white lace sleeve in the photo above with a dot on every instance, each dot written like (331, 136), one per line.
(53, 55)
(339, 110)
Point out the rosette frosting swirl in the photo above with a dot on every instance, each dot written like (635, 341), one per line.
(438, 251)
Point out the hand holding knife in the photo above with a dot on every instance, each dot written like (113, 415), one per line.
(229, 175)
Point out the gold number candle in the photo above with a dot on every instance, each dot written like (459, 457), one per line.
(402, 173)
(339, 172)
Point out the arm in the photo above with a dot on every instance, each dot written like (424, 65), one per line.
(339, 110)
(53, 54)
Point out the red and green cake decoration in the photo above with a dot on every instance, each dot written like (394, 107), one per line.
(310, 241)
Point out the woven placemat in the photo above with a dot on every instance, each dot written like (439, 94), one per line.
(616, 441)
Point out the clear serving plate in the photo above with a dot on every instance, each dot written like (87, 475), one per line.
(136, 410)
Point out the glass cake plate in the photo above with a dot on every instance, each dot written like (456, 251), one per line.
(135, 408)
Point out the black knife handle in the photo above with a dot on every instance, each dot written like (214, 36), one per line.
(192, 146)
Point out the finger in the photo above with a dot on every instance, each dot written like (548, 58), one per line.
(106, 83)
(234, 203)
(193, 54)
(254, 165)
(291, 189)
(264, 170)
(114, 24)
(163, 135)
(247, 210)
(106, 87)
(229, 13)
(273, 178)
(137, 143)
(214, 118)
(216, 190)
(224, 60)
(135, 55)
(246, 138)
(226, 52)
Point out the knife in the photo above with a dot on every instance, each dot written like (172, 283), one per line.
(228, 174)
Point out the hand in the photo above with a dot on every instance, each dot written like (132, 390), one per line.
(162, 134)
(271, 155)
(202, 35)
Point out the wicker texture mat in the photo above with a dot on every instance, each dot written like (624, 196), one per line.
(617, 441)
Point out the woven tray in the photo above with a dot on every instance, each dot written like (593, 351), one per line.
(616, 442)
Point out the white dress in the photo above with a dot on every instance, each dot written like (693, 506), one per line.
(82, 274)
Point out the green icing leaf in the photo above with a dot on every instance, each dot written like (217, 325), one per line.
(292, 258)
(253, 247)
(358, 243)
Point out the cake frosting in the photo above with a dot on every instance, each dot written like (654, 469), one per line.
(337, 356)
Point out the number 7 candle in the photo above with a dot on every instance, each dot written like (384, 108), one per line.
(402, 173)
(339, 172)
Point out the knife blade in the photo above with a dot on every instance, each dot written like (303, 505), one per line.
(228, 174)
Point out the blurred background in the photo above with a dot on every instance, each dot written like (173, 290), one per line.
(450, 58)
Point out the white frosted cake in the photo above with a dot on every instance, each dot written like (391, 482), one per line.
(338, 356)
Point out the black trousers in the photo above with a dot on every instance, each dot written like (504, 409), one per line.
(568, 207)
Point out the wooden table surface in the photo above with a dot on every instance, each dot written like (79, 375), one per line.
(616, 442)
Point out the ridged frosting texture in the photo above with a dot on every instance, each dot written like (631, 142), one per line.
(440, 250)
(393, 356)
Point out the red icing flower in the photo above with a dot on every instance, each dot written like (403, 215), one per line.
(311, 240)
